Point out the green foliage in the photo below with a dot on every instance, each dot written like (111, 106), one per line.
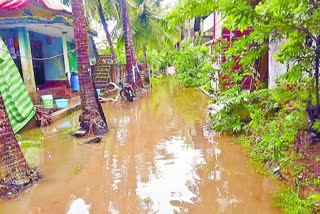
(272, 20)
(270, 119)
(120, 54)
(150, 30)
(314, 197)
(30, 146)
(290, 202)
(268, 122)
(192, 64)
(316, 125)
(68, 132)
(158, 61)
(29, 143)
(232, 117)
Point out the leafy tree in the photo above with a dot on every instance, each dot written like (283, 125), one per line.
(150, 30)
(91, 8)
(194, 65)
(105, 27)
(294, 22)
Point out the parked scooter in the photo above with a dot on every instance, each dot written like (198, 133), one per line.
(127, 91)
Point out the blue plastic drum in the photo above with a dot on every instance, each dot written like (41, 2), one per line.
(75, 82)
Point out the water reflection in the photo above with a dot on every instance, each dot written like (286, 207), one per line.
(159, 157)
(32, 156)
(164, 159)
(175, 181)
(79, 206)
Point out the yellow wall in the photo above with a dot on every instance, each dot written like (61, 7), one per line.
(39, 12)
(10, 13)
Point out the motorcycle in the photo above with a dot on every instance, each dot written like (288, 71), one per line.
(127, 91)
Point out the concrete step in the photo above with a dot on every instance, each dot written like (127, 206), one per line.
(102, 66)
(68, 91)
(73, 95)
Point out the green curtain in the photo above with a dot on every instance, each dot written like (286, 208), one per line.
(16, 98)
(73, 63)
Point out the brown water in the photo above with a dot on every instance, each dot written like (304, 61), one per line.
(158, 158)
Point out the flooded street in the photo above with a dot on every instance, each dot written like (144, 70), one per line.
(159, 157)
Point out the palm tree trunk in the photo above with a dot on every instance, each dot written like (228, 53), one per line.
(130, 53)
(106, 30)
(146, 73)
(317, 75)
(92, 117)
(15, 174)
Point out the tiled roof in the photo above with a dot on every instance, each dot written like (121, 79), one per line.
(54, 5)
(18, 4)
(13, 4)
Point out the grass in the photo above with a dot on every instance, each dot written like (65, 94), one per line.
(290, 202)
(267, 127)
(68, 132)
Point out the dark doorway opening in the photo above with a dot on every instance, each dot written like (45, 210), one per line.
(38, 65)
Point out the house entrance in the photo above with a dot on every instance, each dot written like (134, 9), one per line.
(38, 65)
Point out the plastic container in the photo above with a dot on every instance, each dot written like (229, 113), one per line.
(75, 82)
(62, 103)
(98, 92)
(47, 101)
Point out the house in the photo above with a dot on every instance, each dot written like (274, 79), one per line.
(214, 24)
(276, 69)
(191, 30)
(39, 35)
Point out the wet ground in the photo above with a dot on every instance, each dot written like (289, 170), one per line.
(158, 158)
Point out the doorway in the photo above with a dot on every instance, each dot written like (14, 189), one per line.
(38, 65)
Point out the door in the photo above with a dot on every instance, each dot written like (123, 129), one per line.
(38, 65)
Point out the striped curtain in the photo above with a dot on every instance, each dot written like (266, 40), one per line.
(17, 101)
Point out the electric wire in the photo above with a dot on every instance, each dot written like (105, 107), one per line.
(41, 59)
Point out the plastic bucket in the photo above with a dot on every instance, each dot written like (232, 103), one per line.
(47, 101)
(75, 82)
(98, 92)
(62, 103)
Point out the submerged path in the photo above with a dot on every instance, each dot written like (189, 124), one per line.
(158, 158)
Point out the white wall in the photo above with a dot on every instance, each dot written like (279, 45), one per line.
(208, 24)
(276, 69)
(219, 23)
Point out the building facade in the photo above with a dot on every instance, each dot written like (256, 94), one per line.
(39, 36)
(214, 24)
(270, 69)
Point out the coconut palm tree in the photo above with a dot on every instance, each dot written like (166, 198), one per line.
(101, 10)
(91, 8)
(150, 30)
(133, 75)
(15, 174)
(131, 58)
(92, 118)
(106, 30)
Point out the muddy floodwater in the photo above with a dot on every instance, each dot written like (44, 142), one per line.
(159, 157)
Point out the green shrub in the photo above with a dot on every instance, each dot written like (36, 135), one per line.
(269, 123)
(194, 65)
(290, 203)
